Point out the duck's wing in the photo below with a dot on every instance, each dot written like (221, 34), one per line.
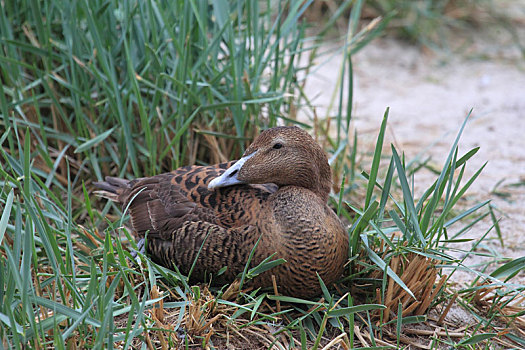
(188, 225)
(206, 248)
(161, 204)
(156, 204)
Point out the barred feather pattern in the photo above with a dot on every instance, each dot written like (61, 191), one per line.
(282, 206)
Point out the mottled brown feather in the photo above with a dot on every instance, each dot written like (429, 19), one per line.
(283, 204)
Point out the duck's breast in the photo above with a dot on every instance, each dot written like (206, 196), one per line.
(311, 238)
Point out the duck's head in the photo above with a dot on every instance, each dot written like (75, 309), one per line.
(283, 156)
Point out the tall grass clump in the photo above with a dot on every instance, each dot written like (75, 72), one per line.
(146, 86)
(436, 23)
(94, 88)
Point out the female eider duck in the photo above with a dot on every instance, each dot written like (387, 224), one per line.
(228, 207)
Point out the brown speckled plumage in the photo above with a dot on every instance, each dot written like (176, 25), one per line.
(179, 212)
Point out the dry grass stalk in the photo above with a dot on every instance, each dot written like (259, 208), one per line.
(198, 318)
(409, 310)
(265, 336)
(390, 290)
(360, 336)
(378, 341)
(427, 294)
(378, 298)
(158, 307)
(276, 292)
(488, 299)
(407, 340)
(215, 150)
(506, 344)
(436, 332)
(204, 318)
(232, 292)
(158, 314)
(198, 321)
(447, 309)
(419, 274)
(149, 343)
(337, 340)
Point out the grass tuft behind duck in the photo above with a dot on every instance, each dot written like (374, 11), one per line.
(277, 192)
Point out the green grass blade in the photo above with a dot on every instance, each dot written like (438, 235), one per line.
(5, 214)
(409, 201)
(377, 158)
(376, 259)
(510, 269)
(466, 213)
(94, 141)
(477, 338)
(345, 311)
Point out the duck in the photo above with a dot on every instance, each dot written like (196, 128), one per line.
(274, 198)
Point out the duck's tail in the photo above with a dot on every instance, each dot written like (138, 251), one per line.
(112, 188)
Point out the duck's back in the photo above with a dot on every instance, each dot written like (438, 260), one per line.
(233, 206)
(160, 204)
(184, 221)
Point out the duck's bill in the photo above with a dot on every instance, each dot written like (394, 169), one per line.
(229, 177)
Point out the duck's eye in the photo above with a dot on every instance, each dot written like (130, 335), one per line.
(277, 146)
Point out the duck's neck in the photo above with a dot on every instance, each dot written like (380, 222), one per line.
(319, 180)
(324, 185)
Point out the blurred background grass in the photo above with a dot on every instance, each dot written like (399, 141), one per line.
(136, 88)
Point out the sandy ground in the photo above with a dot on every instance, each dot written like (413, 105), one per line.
(429, 95)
